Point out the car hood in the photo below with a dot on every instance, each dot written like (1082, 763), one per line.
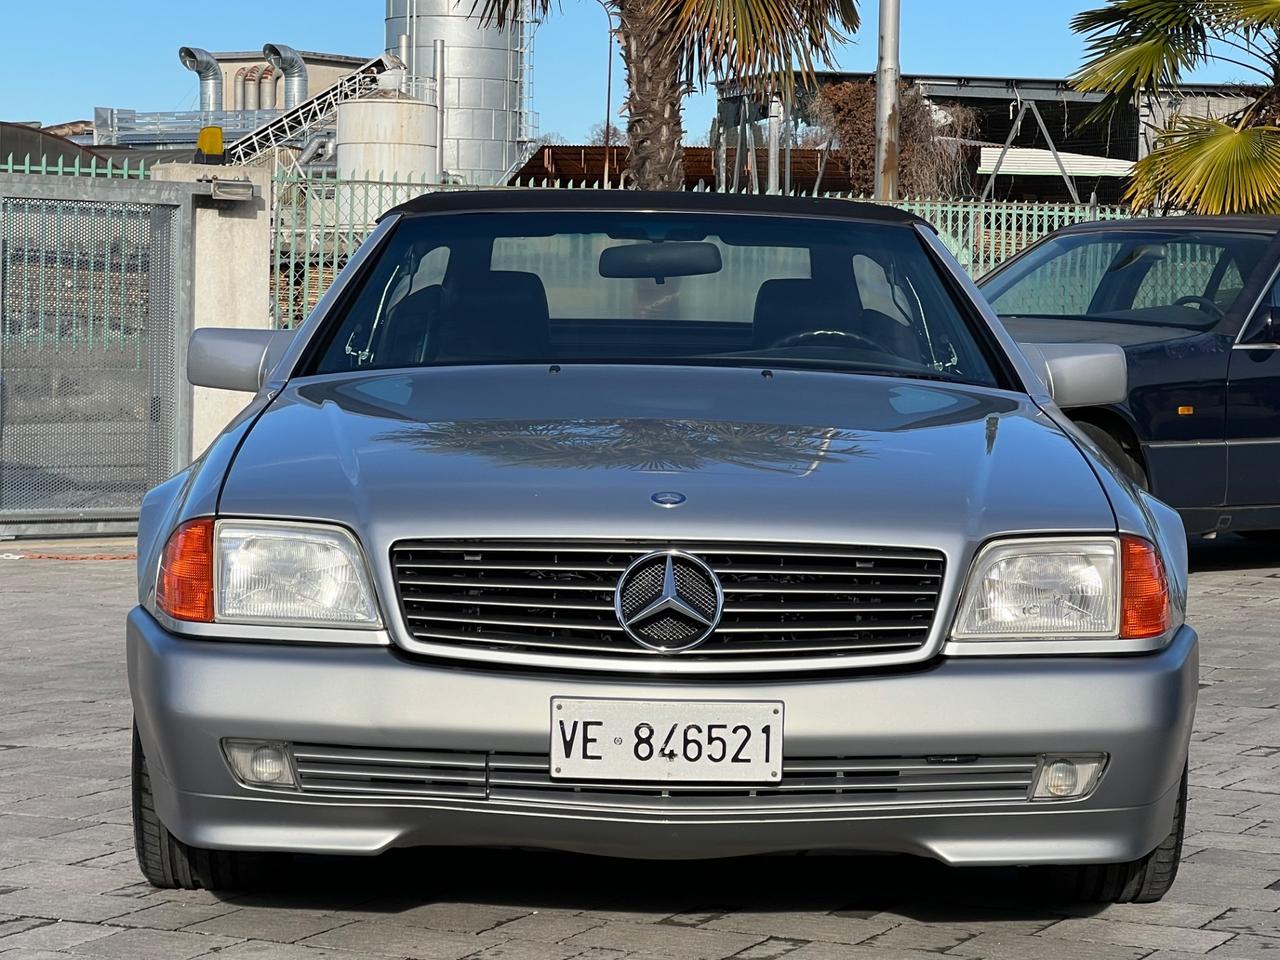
(580, 451)
(1068, 330)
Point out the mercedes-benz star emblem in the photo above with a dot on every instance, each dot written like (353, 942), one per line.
(668, 498)
(668, 601)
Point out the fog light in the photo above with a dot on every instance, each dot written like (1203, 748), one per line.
(1062, 778)
(259, 763)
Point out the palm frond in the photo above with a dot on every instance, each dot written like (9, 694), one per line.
(649, 445)
(1253, 14)
(1208, 166)
(502, 12)
(759, 43)
(1139, 46)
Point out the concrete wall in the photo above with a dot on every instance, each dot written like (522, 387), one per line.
(231, 276)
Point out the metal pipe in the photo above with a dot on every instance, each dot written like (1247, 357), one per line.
(775, 140)
(438, 64)
(201, 63)
(321, 143)
(251, 100)
(267, 89)
(608, 88)
(888, 73)
(290, 63)
(404, 63)
(788, 125)
(237, 90)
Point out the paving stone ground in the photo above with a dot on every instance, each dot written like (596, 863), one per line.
(69, 887)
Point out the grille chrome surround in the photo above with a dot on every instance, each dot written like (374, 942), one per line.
(808, 783)
(786, 606)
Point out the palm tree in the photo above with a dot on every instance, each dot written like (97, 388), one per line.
(668, 45)
(1142, 47)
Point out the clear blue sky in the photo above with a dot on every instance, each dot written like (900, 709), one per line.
(60, 60)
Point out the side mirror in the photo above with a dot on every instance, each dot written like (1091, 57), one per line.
(1081, 374)
(227, 358)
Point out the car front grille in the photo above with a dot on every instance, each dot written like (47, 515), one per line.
(524, 779)
(557, 597)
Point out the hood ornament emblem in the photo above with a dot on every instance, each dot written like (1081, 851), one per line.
(668, 601)
(668, 498)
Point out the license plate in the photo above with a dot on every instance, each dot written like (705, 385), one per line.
(712, 741)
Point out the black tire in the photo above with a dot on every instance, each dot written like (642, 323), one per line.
(1145, 880)
(168, 862)
(1116, 452)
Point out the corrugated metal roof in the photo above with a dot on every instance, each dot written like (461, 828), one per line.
(1031, 162)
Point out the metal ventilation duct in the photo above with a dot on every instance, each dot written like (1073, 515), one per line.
(237, 89)
(289, 62)
(201, 62)
(251, 88)
(267, 89)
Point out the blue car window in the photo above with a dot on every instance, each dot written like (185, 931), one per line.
(1161, 277)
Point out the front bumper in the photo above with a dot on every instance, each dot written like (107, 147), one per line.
(189, 694)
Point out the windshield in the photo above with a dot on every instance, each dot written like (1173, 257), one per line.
(1183, 278)
(626, 287)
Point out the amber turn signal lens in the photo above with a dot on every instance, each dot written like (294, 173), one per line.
(184, 589)
(1144, 591)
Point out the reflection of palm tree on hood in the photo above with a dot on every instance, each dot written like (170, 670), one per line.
(626, 444)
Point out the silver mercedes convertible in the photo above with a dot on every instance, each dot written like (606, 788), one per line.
(659, 525)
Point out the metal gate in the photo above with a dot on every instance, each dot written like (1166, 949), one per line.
(94, 316)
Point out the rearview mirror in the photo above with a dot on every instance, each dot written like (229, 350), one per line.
(657, 261)
(234, 359)
(1081, 374)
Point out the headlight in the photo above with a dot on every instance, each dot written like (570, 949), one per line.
(266, 572)
(290, 573)
(1051, 588)
(1088, 588)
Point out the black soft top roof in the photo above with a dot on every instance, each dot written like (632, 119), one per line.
(467, 201)
(1263, 224)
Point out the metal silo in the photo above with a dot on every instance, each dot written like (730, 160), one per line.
(487, 120)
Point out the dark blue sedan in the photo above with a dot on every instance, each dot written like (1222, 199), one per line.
(1195, 303)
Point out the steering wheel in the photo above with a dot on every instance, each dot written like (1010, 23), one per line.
(798, 338)
(1203, 302)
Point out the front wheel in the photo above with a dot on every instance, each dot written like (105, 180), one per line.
(168, 862)
(1144, 880)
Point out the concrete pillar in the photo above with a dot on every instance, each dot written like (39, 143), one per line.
(230, 276)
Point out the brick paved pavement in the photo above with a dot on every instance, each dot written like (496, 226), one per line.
(69, 888)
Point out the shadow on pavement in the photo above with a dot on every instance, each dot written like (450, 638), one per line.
(1233, 552)
(678, 892)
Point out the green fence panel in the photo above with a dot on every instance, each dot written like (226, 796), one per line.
(321, 220)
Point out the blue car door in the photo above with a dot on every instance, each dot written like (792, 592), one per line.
(1253, 408)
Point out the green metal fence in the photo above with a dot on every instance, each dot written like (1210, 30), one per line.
(109, 168)
(982, 235)
(320, 221)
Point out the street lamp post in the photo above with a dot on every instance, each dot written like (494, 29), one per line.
(887, 74)
(608, 88)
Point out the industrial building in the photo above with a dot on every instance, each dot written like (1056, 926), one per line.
(449, 99)
(1031, 130)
